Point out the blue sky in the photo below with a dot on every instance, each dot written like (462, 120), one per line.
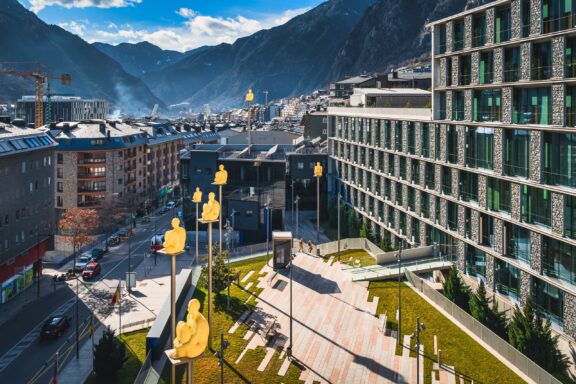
(171, 24)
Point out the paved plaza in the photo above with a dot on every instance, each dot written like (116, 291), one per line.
(337, 337)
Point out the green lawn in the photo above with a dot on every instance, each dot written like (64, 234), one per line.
(470, 360)
(135, 353)
(350, 257)
(206, 369)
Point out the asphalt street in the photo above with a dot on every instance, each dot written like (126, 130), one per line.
(23, 354)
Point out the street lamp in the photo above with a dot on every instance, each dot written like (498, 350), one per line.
(289, 349)
(399, 258)
(296, 203)
(292, 205)
(419, 327)
(339, 200)
(267, 212)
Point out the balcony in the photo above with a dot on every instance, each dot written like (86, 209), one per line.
(91, 189)
(91, 175)
(93, 160)
(89, 203)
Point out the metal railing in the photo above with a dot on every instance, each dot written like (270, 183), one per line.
(147, 373)
(501, 346)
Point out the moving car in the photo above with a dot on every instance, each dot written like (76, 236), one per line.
(146, 219)
(97, 253)
(170, 205)
(54, 327)
(92, 270)
(82, 262)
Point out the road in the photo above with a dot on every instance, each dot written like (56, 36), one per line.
(22, 354)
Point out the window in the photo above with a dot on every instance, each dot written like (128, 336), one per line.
(60, 186)
(411, 137)
(425, 204)
(498, 195)
(503, 25)
(59, 201)
(558, 259)
(570, 216)
(479, 147)
(59, 173)
(486, 227)
(516, 152)
(415, 172)
(507, 278)
(570, 105)
(517, 242)
(469, 186)
(442, 39)
(487, 105)
(549, 299)
(448, 71)
(475, 262)
(486, 75)
(398, 136)
(512, 64)
(532, 106)
(559, 159)
(23, 167)
(425, 140)
(300, 165)
(446, 180)
(465, 70)
(442, 105)
(387, 134)
(526, 21)
(479, 30)
(59, 158)
(570, 57)
(536, 206)
(411, 199)
(541, 61)
(402, 165)
(458, 35)
(451, 144)
(437, 142)
(458, 105)
(430, 176)
(391, 217)
(391, 164)
(452, 215)
(557, 15)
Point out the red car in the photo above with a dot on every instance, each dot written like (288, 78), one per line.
(54, 327)
(92, 269)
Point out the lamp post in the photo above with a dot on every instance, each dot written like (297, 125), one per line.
(318, 175)
(419, 327)
(129, 264)
(338, 202)
(399, 257)
(292, 205)
(267, 212)
(289, 349)
(296, 203)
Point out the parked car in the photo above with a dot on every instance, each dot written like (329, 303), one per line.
(146, 219)
(113, 240)
(54, 327)
(97, 253)
(92, 270)
(170, 205)
(82, 262)
(164, 209)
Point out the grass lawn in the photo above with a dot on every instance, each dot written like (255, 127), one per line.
(458, 349)
(206, 369)
(355, 254)
(135, 353)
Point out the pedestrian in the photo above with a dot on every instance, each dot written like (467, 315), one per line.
(301, 246)
(310, 246)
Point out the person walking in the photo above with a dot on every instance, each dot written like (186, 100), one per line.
(310, 246)
(301, 246)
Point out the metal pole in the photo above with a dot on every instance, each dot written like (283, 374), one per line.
(210, 284)
(196, 233)
(129, 262)
(292, 205)
(221, 358)
(267, 234)
(317, 210)
(399, 296)
(77, 307)
(418, 350)
(297, 230)
(173, 310)
(289, 351)
(190, 371)
(220, 229)
(39, 266)
(339, 197)
(120, 308)
(155, 252)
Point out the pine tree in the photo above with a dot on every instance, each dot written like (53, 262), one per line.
(531, 334)
(353, 224)
(385, 243)
(109, 355)
(498, 321)
(489, 316)
(456, 290)
(364, 230)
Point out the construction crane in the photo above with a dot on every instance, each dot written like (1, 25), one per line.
(40, 79)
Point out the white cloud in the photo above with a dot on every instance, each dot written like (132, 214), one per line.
(38, 5)
(196, 30)
(74, 27)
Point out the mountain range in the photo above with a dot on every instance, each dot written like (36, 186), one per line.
(333, 40)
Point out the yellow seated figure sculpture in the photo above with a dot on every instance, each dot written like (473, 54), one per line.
(249, 96)
(211, 209)
(191, 335)
(175, 239)
(318, 170)
(197, 197)
(221, 177)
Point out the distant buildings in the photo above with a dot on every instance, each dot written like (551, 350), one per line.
(62, 108)
(344, 88)
(391, 98)
(26, 205)
(315, 125)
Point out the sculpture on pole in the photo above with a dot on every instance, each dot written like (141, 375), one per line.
(191, 335)
(211, 209)
(221, 177)
(197, 197)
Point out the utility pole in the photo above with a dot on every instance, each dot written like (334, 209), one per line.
(399, 257)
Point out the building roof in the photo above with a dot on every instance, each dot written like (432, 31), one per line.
(15, 140)
(356, 79)
(467, 12)
(96, 135)
(158, 133)
(265, 137)
(392, 91)
(409, 114)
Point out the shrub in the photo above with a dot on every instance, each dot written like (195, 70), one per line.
(109, 355)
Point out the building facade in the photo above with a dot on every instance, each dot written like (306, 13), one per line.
(98, 161)
(26, 207)
(62, 108)
(488, 173)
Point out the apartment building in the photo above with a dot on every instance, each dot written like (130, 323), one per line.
(488, 173)
(98, 161)
(26, 207)
(62, 108)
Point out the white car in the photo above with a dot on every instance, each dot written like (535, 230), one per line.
(170, 205)
(82, 262)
